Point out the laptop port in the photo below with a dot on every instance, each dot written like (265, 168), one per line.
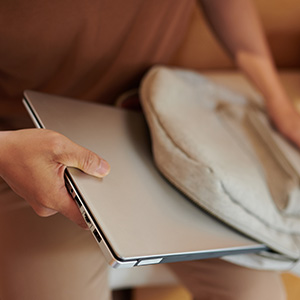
(77, 201)
(97, 235)
(87, 219)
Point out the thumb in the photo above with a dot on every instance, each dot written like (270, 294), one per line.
(92, 164)
(85, 160)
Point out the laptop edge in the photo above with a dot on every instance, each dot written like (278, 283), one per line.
(112, 258)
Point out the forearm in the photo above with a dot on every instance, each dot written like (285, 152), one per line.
(238, 27)
(3, 152)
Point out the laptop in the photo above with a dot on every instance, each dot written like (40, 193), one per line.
(135, 215)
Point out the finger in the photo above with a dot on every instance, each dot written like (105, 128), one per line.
(68, 208)
(84, 159)
(72, 212)
(43, 211)
(57, 201)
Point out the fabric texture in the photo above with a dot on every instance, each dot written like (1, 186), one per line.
(220, 150)
(47, 258)
(218, 279)
(89, 50)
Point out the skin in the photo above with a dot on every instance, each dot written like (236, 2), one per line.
(33, 161)
(36, 172)
(237, 26)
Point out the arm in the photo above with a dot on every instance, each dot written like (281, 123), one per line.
(33, 161)
(237, 26)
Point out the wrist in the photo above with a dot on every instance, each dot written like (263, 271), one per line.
(279, 104)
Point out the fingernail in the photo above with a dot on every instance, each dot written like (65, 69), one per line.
(104, 168)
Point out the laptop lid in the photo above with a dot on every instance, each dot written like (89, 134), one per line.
(135, 215)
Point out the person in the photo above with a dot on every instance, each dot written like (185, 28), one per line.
(94, 51)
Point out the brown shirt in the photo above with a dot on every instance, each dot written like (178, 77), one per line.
(88, 49)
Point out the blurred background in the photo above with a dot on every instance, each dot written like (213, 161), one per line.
(281, 22)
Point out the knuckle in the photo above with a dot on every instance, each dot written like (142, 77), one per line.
(55, 142)
(88, 160)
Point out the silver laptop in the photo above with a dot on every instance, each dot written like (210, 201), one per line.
(135, 215)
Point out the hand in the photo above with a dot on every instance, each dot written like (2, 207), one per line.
(33, 162)
(287, 120)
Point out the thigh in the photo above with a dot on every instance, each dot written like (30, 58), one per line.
(218, 279)
(46, 258)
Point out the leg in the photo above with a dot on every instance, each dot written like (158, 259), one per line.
(46, 258)
(218, 279)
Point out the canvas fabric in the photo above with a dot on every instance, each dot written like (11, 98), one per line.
(220, 150)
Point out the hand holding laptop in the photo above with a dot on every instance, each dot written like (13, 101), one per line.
(33, 162)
